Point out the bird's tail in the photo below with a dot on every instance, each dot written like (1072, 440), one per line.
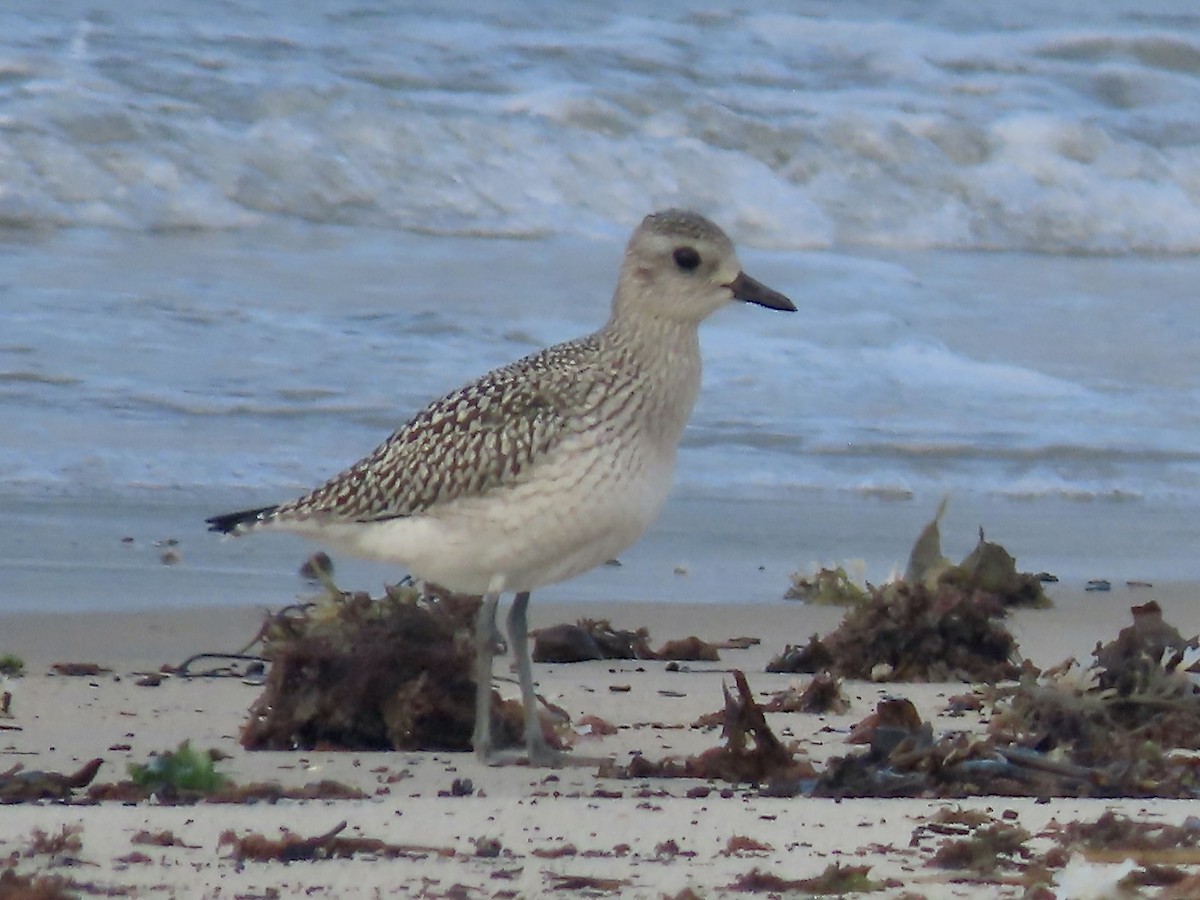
(237, 522)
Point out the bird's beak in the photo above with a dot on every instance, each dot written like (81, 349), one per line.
(747, 289)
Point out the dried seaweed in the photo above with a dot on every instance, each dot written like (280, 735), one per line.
(827, 587)
(1104, 731)
(590, 639)
(586, 883)
(18, 786)
(1113, 834)
(990, 847)
(352, 672)
(911, 633)
(904, 759)
(79, 669)
(35, 887)
(988, 568)
(329, 845)
(751, 753)
(255, 792)
(822, 694)
(63, 846)
(834, 881)
(1121, 715)
(938, 623)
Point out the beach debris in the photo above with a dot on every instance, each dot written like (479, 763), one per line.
(179, 773)
(743, 642)
(1114, 836)
(937, 623)
(988, 850)
(690, 648)
(163, 838)
(35, 887)
(950, 820)
(19, 786)
(989, 568)
(1118, 727)
(750, 753)
(925, 560)
(835, 880)
(909, 632)
(79, 669)
(1117, 850)
(826, 587)
(589, 725)
(255, 847)
(990, 847)
(590, 639)
(487, 847)
(589, 883)
(560, 851)
(11, 665)
(389, 673)
(1120, 719)
(741, 845)
(317, 568)
(822, 694)
(905, 759)
(62, 847)
(128, 791)
(1142, 651)
(228, 665)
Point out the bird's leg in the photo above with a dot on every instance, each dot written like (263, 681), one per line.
(485, 649)
(540, 753)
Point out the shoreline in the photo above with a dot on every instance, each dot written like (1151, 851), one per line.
(105, 552)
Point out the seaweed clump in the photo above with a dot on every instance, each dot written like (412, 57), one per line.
(389, 673)
(590, 639)
(940, 622)
(1121, 717)
(751, 752)
(909, 632)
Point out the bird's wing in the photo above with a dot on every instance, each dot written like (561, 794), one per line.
(484, 436)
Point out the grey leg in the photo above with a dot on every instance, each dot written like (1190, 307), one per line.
(485, 649)
(540, 753)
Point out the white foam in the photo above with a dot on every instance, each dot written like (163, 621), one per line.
(957, 129)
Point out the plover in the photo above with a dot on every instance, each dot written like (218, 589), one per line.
(544, 468)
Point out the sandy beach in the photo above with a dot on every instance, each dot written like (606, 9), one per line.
(512, 832)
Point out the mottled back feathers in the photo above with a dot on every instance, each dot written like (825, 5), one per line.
(481, 437)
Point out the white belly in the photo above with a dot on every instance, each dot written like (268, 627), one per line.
(576, 511)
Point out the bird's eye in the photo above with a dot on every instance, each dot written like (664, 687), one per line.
(686, 258)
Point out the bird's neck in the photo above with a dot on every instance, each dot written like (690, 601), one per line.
(663, 357)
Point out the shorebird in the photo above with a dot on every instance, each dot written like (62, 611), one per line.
(542, 469)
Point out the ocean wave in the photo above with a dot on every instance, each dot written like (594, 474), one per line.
(796, 131)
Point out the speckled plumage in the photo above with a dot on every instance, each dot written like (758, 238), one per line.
(546, 467)
(470, 442)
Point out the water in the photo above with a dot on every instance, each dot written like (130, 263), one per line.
(239, 248)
